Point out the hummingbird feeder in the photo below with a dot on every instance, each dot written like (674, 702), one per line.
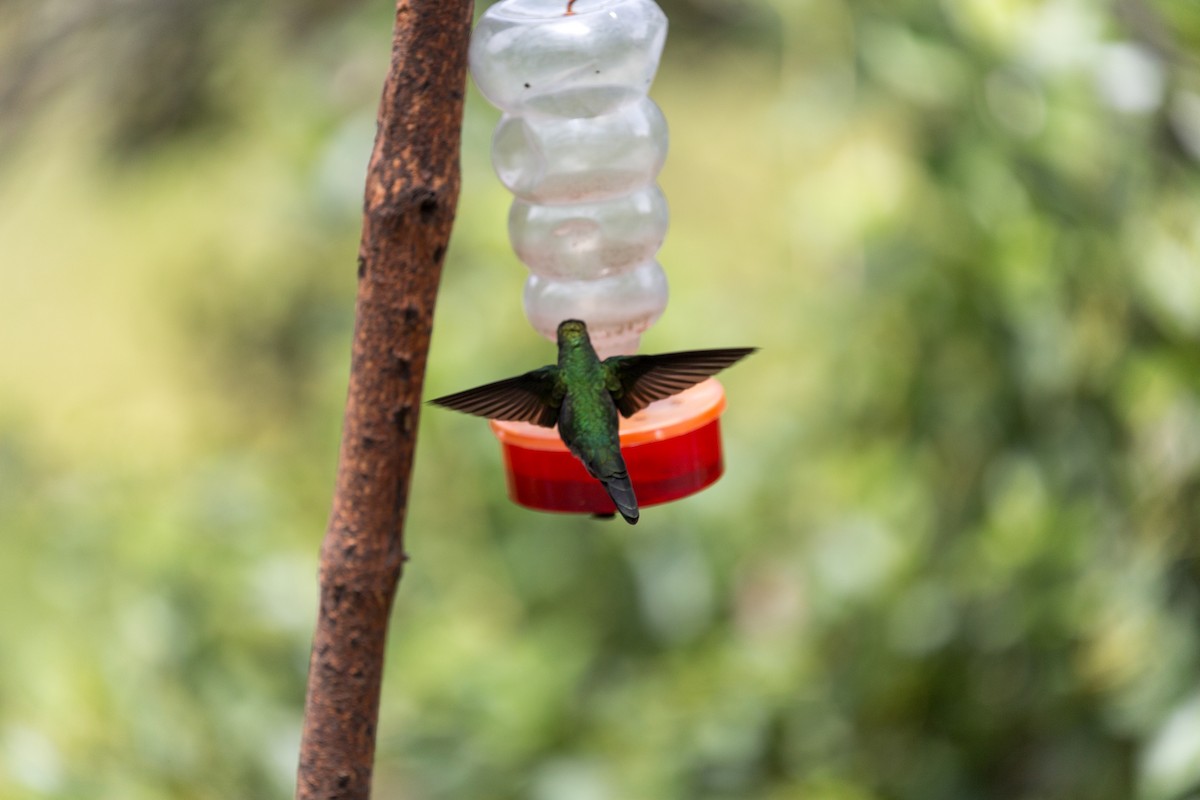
(580, 146)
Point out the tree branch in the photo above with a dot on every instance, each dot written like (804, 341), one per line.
(411, 194)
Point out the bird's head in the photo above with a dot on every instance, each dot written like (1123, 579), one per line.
(571, 332)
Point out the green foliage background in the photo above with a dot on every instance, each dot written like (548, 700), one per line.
(954, 555)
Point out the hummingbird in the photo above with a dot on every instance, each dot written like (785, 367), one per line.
(583, 395)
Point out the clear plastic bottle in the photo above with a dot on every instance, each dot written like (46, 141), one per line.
(580, 146)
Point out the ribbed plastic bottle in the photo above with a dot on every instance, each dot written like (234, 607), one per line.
(580, 146)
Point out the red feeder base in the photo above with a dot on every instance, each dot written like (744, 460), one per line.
(672, 449)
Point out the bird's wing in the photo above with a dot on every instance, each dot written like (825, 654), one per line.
(532, 397)
(637, 381)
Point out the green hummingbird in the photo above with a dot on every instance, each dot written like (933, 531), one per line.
(582, 395)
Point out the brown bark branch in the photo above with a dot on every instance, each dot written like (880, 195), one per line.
(411, 194)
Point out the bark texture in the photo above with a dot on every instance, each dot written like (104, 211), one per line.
(411, 193)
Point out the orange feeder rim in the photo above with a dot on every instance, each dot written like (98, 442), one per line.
(678, 415)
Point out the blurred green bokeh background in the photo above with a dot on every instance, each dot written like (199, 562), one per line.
(955, 552)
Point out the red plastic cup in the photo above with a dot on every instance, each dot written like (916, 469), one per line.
(672, 449)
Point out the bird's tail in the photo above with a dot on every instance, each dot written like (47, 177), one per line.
(620, 489)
